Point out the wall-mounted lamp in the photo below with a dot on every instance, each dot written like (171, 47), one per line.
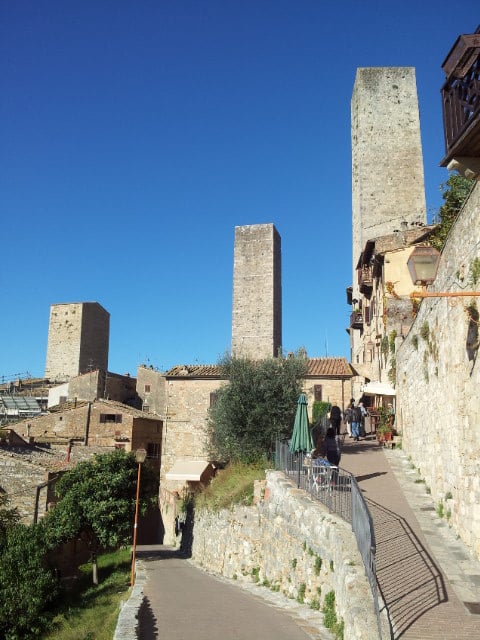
(423, 265)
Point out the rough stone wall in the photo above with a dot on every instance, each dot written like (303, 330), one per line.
(186, 425)
(132, 430)
(95, 337)
(22, 469)
(387, 163)
(335, 391)
(438, 407)
(78, 336)
(151, 386)
(257, 295)
(291, 544)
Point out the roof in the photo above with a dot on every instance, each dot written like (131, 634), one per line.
(317, 367)
(394, 241)
(329, 367)
(188, 470)
(195, 371)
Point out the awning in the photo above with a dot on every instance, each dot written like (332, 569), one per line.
(189, 470)
(378, 389)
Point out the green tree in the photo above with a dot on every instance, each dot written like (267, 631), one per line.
(27, 584)
(9, 516)
(97, 503)
(256, 406)
(454, 193)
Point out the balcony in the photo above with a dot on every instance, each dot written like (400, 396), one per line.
(365, 276)
(461, 100)
(356, 320)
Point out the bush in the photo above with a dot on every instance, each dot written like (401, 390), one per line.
(27, 584)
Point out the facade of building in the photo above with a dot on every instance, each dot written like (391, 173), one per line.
(78, 340)
(102, 423)
(257, 292)
(388, 215)
(93, 385)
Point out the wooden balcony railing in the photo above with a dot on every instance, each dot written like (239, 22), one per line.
(461, 98)
(356, 320)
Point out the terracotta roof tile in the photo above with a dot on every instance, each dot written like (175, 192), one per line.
(329, 367)
(317, 367)
(194, 371)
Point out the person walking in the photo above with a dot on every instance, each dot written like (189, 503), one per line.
(336, 418)
(356, 422)
(330, 447)
(349, 417)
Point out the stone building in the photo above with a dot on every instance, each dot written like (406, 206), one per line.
(78, 338)
(257, 292)
(101, 423)
(328, 380)
(96, 384)
(388, 211)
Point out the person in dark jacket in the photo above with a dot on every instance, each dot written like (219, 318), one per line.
(330, 448)
(336, 418)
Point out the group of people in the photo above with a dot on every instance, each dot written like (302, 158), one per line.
(354, 416)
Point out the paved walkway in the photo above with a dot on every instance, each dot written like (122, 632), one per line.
(425, 575)
(428, 581)
(182, 602)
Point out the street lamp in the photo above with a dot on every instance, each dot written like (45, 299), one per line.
(423, 265)
(140, 456)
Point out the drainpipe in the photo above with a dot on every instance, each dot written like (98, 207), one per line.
(87, 425)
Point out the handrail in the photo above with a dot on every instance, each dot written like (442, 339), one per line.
(341, 494)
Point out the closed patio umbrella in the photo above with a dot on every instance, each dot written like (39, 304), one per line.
(301, 441)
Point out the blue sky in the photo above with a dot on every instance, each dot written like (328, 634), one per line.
(135, 136)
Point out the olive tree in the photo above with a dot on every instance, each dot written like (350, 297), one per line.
(255, 407)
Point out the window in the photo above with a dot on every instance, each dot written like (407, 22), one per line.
(213, 398)
(153, 450)
(109, 418)
(317, 392)
(146, 408)
(147, 388)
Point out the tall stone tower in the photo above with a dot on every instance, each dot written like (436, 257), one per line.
(78, 336)
(257, 292)
(387, 164)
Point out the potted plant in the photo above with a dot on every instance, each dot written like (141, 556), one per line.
(384, 428)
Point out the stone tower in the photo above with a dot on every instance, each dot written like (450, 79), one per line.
(257, 292)
(78, 336)
(387, 164)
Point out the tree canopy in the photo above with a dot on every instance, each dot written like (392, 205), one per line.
(97, 502)
(256, 407)
(27, 584)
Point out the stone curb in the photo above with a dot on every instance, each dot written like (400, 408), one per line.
(127, 622)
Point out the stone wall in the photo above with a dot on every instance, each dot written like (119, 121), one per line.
(289, 543)
(387, 162)
(78, 337)
(23, 469)
(438, 378)
(257, 292)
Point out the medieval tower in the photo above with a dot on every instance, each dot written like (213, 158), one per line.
(387, 164)
(78, 337)
(257, 292)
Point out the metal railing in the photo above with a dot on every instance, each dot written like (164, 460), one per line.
(338, 490)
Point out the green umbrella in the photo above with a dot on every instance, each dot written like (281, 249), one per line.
(301, 437)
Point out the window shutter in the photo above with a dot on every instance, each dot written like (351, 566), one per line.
(317, 392)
